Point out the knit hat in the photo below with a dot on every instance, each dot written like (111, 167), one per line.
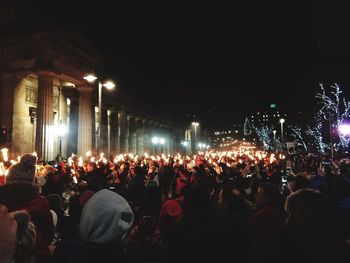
(106, 217)
(24, 170)
(171, 211)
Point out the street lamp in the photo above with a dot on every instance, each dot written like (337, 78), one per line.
(282, 137)
(195, 124)
(274, 140)
(344, 129)
(108, 85)
(156, 140)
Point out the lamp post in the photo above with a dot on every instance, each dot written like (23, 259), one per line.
(274, 140)
(108, 85)
(282, 136)
(195, 124)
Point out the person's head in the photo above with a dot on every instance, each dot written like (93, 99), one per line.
(230, 198)
(91, 166)
(26, 237)
(106, 218)
(8, 230)
(171, 212)
(205, 184)
(55, 202)
(309, 208)
(299, 182)
(268, 194)
(24, 170)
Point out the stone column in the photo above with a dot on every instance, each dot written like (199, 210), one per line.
(154, 133)
(6, 105)
(167, 141)
(177, 139)
(146, 137)
(132, 134)
(113, 132)
(72, 131)
(124, 133)
(170, 136)
(108, 132)
(139, 137)
(127, 134)
(44, 126)
(6, 100)
(119, 133)
(85, 121)
(104, 131)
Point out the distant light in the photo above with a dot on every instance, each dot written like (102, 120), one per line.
(344, 129)
(282, 120)
(109, 85)
(185, 143)
(273, 106)
(195, 124)
(161, 140)
(90, 78)
(61, 130)
(155, 140)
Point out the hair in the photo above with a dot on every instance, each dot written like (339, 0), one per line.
(26, 237)
(312, 209)
(232, 196)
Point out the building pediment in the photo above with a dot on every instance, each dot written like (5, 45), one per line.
(65, 53)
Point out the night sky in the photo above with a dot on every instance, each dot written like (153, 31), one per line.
(214, 59)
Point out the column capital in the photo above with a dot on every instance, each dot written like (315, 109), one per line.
(46, 73)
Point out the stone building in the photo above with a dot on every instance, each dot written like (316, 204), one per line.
(42, 88)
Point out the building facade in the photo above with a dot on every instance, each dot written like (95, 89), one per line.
(42, 90)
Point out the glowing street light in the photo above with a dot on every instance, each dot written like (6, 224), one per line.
(344, 129)
(156, 140)
(274, 140)
(108, 85)
(282, 136)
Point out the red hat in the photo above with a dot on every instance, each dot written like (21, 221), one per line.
(171, 211)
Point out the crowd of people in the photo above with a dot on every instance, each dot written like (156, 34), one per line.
(220, 207)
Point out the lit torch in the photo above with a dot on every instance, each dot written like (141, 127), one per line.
(4, 154)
